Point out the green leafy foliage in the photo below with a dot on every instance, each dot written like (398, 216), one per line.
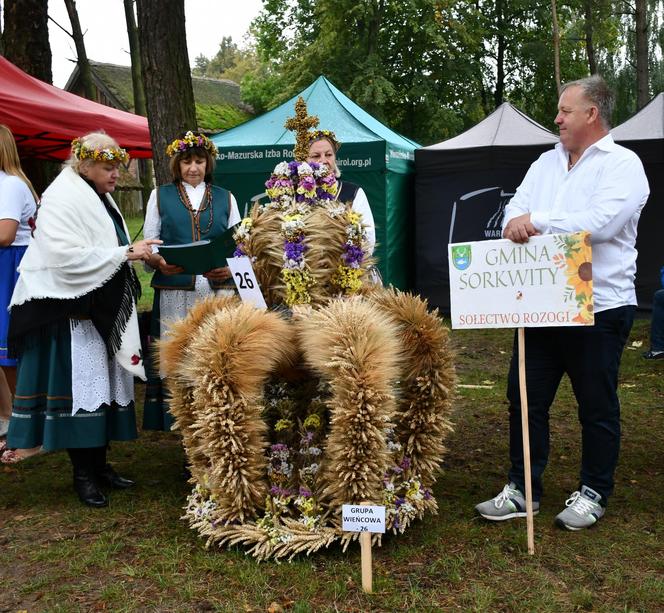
(432, 68)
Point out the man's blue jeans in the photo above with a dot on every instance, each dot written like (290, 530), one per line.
(590, 356)
(657, 322)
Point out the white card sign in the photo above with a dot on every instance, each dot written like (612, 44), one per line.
(246, 282)
(501, 284)
(363, 518)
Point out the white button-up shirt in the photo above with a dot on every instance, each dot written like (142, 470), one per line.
(603, 193)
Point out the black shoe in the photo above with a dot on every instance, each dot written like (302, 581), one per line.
(108, 477)
(87, 490)
(654, 355)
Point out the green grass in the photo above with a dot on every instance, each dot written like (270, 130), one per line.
(137, 555)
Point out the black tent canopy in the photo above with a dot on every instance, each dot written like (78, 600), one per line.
(462, 186)
(644, 134)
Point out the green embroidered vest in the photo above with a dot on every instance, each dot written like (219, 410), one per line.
(178, 228)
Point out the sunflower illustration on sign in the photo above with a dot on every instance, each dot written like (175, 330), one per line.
(576, 261)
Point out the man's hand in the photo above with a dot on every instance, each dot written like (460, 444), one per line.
(520, 229)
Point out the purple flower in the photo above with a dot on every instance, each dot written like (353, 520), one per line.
(294, 250)
(353, 255)
(305, 492)
(398, 502)
(427, 494)
(405, 463)
(323, 195)
(275, 490)
(239, 251)
(277, 447)
(308, 182)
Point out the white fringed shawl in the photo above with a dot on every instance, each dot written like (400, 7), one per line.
(75, 251)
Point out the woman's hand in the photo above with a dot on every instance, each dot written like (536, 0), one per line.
(218, 274)
(158, 262)
(142, 250)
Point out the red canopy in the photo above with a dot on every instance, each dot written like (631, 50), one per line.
(45, 119)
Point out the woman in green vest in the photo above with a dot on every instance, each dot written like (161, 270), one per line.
(188, 209)
(73, 321)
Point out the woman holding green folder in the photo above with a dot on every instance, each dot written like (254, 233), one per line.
(187, 210)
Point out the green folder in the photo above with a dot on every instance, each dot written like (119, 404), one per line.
(201, 256)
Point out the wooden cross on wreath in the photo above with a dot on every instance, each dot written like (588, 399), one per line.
(301, 124)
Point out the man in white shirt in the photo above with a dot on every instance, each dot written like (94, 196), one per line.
(586, 183)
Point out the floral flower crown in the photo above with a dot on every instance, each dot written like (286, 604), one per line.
(190, 140)
(327, 134)
(107, 154)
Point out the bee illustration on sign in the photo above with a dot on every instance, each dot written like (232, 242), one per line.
(461, 256)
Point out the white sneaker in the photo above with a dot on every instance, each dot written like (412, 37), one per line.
(583, 510)
(508, 504)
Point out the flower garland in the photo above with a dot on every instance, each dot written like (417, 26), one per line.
(294, 188)
(293, 465)
(107, 154)
(324, 134)
(189, 141)
(347, 278)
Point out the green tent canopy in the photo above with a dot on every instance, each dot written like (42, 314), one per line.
(373, 156)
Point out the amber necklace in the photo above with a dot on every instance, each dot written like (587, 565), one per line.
(206, 203)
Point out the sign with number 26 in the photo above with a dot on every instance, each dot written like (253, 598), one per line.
(245, 281)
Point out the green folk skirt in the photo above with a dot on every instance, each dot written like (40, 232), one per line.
(43, 402)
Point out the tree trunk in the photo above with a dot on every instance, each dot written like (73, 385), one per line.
(145, 166)
(25, 41)
(83, 64)
(641, 23)
(2, 44)
(169, 95)
(500, 57)
(374, 26)
(590, 45)
(135, 54)
(25, 38)
(556, 44)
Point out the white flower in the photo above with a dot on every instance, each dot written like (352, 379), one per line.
(335, 209)
(310, 470)
(281, 168)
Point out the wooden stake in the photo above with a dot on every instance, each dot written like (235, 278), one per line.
(530, 527)
(365, 552)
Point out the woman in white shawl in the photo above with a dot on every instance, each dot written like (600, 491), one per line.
(73, 321)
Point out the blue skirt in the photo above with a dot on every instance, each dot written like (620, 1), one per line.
(10, 258)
